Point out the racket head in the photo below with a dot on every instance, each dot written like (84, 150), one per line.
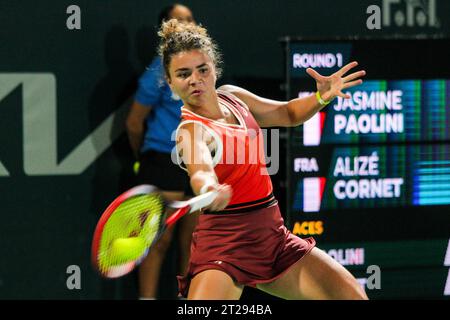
(126, 230)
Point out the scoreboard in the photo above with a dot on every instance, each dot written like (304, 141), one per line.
(378, 176)
(369, 176)
(381, 111)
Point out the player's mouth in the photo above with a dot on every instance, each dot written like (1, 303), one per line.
(196, 93)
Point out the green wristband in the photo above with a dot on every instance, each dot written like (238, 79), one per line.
(321, 101)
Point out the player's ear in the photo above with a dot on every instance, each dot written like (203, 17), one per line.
(217, 73)
(168, 80)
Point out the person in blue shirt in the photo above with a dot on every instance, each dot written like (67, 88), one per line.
(153, 117)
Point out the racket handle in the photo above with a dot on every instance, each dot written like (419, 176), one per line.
(202, 201)
(196, 203)
(177, 215)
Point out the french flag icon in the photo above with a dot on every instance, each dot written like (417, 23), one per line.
(312, 193)
(312, 129)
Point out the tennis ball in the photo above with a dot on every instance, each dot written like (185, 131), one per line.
(136, 167)
(127, 249)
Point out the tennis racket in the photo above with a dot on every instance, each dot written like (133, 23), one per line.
(132, 223)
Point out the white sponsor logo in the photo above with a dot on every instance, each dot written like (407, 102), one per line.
(401, 13)
(40, 143)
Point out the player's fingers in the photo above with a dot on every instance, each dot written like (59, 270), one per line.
(354, 75)
(346, 68)
(343, 95)
(218, 205)
(223, 198)
(314, 74)
(352, 84)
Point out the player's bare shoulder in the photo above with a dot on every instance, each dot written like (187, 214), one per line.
(241, 95)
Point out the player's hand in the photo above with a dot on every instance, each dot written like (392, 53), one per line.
(331, 87)
(224, 193)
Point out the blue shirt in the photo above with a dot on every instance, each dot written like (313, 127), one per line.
(166, 106)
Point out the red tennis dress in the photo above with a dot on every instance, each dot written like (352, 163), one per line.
(248, 239)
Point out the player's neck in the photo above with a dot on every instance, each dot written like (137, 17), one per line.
(209, 108)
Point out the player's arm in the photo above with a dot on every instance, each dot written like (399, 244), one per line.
(272, 113)
(192, 146)
(135, 125)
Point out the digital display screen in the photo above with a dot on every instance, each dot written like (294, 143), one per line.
(382, 112)
(369, 176)
(323, 57)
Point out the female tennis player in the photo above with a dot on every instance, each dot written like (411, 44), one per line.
(241, 239)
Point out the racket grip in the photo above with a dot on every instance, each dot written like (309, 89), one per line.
(177, 215)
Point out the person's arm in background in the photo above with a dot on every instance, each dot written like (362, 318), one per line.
(146, 98)
(135, 125)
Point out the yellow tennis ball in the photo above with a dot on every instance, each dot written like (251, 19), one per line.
(136, 167)
(127, 249)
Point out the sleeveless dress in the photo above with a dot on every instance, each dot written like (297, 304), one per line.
(248, 239)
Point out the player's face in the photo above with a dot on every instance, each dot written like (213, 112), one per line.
(182, 13)
(192, 77)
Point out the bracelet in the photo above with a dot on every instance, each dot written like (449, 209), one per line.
(205, 187)
(321, 101)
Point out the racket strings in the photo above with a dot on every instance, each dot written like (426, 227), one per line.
(131, 228)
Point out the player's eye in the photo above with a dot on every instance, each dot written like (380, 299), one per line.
(183, 75)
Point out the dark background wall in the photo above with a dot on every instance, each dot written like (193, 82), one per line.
(48, 215)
